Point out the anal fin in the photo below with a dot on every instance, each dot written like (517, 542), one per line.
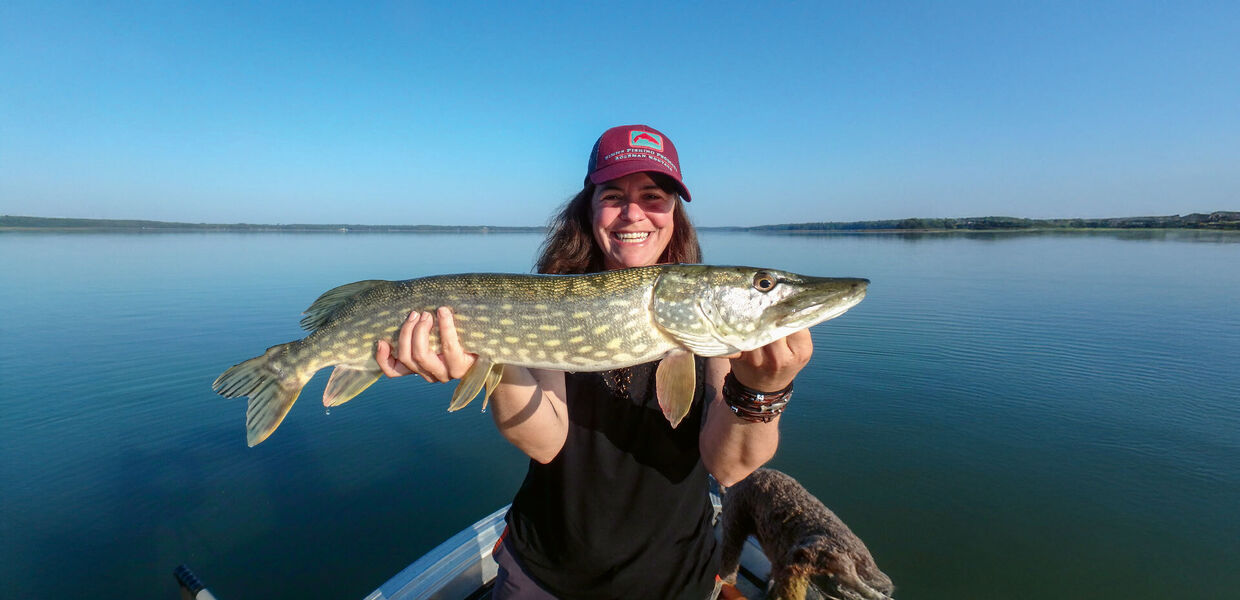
(674, 383)
(492, 381)
(347, 382)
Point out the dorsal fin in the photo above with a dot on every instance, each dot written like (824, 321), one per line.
(323, 308)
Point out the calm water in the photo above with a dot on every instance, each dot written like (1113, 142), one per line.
(1006, 416)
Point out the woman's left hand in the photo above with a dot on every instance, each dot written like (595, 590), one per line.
(773, 367)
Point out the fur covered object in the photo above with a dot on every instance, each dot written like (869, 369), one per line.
(802, 538)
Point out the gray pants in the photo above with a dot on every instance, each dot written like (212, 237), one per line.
(512, 582)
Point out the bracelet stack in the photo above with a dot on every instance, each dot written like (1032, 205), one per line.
(752, 405)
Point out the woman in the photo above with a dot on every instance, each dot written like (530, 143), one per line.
(615, 503)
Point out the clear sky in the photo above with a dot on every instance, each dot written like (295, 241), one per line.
(484, 113)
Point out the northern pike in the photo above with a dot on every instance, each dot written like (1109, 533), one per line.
(594, 322)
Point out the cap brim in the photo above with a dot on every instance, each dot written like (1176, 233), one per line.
(629, 167)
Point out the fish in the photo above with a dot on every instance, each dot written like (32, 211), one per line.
(575, 323)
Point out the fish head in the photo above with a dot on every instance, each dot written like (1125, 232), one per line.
(715, 311)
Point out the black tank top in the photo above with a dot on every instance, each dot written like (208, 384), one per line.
(623, 511)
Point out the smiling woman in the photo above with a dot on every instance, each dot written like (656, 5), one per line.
(615, 502)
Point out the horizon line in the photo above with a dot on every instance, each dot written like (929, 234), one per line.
(16, 221)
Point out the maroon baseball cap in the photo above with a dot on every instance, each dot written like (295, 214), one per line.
(629, 149)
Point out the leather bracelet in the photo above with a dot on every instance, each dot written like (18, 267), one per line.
(750, 404)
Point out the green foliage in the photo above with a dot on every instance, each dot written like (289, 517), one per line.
(1215, 220)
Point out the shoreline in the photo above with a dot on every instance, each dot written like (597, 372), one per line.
(1215, 221)
(508, 231)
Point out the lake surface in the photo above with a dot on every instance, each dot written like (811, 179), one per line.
(1005, 416)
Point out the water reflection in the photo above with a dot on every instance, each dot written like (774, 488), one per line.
(1069, 397)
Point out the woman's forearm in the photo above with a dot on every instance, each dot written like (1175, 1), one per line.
(731, 447)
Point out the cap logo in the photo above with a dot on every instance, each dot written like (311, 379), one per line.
(645, 139)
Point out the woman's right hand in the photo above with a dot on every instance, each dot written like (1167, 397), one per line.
(413, 353)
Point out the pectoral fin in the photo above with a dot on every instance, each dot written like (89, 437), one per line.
(674, 384)
(474, 380)
(347, 382)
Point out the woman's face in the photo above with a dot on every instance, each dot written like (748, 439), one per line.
(632, 221)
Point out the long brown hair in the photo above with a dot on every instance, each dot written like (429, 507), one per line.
(570, 247)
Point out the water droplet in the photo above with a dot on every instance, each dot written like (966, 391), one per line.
(327, 410)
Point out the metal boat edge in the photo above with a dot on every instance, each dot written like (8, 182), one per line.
(457, 568)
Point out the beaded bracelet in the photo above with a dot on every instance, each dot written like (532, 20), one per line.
(752, 405)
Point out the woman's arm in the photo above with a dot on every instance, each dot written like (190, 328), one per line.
(528, 409)
(528, 405)
(732, 447)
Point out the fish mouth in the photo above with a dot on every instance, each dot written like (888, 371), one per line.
(823, 300)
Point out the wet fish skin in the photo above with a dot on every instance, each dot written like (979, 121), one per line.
(593, 322)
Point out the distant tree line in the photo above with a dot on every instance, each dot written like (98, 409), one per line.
(1214, 220)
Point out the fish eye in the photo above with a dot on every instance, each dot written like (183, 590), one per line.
(764, 282)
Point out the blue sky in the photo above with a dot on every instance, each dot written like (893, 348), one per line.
(484, 113)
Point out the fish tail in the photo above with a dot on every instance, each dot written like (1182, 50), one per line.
(271, 383)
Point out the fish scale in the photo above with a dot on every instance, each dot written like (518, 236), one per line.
(590, 322)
